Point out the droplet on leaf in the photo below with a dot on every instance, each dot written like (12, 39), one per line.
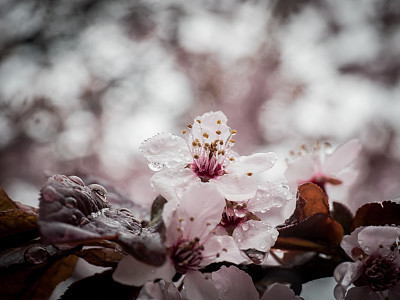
(36, 255)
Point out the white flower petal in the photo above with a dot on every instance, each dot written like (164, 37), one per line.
(234, 284)
(220, 248)
(199, 210)
(131, 271)
(255, 163)
(350, 241)
(372, 236)
(258, 235)
(198, 287)
(166, 149)
(171, 183)
(342, 157)
(279, 291)
(269, 195)
(162, 290)
(301, 170)
(346, 272)
(236, 187)
(362, 292)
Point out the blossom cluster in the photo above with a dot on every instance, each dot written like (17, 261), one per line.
(219, 211)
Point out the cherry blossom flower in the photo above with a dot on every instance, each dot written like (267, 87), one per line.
(248, 221)
(376, 268)
(327, 170)
(235, 284)
(205, 155)
(189, 238)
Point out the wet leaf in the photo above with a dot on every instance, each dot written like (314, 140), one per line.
(37, 281)
(157, 208)
(102, 257)
(5, 202)
(319, 228)
(377, 214)
(310, 200)
(17, 226)
(344, 216)
(99, 287)
(73, 213)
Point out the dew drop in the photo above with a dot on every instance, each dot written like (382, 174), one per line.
(263, 211)
(239, 240)
(240, 214)
(70, 202)
(36, 255)
(263, 245)
(245, 226)
(77, 180)
(155, 166)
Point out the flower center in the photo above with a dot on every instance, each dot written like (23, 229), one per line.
(186, 255)
(381, 273)
(210, 151)
(235, 214)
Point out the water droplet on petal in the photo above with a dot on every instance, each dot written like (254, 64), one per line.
(245, 226)
(155, 166)
(239, 240)
(263, 245)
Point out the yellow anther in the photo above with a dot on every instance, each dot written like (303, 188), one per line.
(198, 121)
(218, 132)
(195, 156)
(189, 126)
(184, 131)
(191, 219)
(234, 131)
(205, 134)
(232, 141)
(194, 144)
(231, 158)
(221, 142)
(181, 219)
(219, 122)
(249, 174)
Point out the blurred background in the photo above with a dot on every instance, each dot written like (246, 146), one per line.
(84, 82)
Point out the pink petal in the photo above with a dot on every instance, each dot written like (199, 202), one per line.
(198, 287)
(209, 125)
(363, 292)
(280, 291)
(346, 272)
(301, 170)
(255, 163)
(236, 187)
(372, 236)
(342, 157)
(133, 272)
(351, 241)
(255, 235)
(171, 183)
(394, 292)
(234, 284)
(167, 149)
(199, 210)
(218, 248)
(269, 195)
(163, 290)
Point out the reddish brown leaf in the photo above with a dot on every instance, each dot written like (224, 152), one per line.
(102, 257)
(17, 226)
(5, 202)
(377, 214)
(319, 228)
(36, 282)
(314, 198)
